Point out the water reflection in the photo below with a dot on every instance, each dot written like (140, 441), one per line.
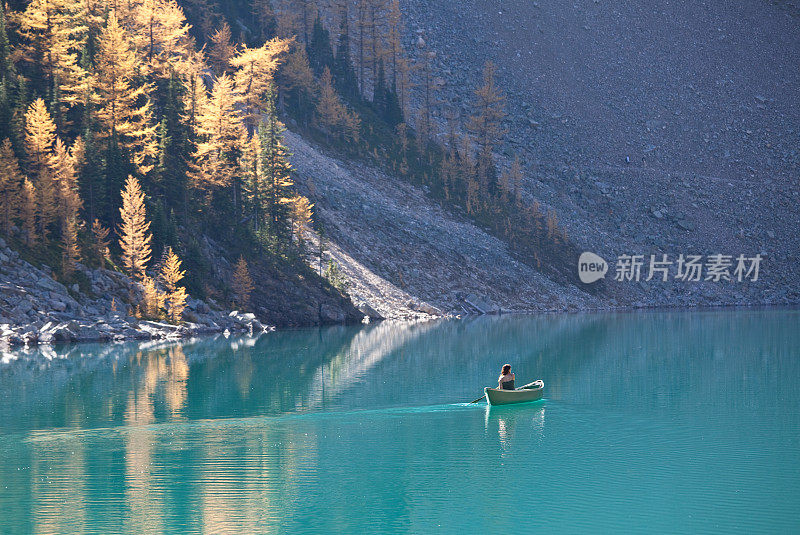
(504, 420)
(288, 431)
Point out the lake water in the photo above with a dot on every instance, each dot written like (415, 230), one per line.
(667, 422)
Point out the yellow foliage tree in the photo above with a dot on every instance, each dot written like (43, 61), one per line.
(302, 213)
(62, 166)
(153, 299)
(10, 183)
(242, 283)
(485, 124)
(28, 211)
(53, 32)
(160, 35)
(71, 253)
(332, 116)
(123, 108)
(220, 133)
(170, 276)
(221, 49)
(134, 239)
(39, 139)
(100, 241)
(255, 70)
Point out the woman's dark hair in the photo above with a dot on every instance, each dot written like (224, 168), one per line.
(506, 368)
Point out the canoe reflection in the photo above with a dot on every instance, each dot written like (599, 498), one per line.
(527, 418)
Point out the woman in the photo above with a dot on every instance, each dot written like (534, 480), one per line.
(506, 379)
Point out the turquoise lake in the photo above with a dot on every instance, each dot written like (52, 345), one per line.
(652, 422)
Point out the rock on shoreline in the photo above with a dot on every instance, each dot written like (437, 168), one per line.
(37, 309)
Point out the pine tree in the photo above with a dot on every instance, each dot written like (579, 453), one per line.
(170, 276)
(39, 139)
(173, 147)
(343, 72)
(264, 18)
(10, 183)
(135, 238)
(124, 109)
(29, 211)
(320, 53)
(242, 283)
(486, 128)
(276, 178)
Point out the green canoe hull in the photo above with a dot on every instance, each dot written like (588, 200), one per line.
(495, 396)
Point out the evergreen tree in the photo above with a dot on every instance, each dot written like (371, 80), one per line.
(173, 147)
(343, 72)
(276, 178)
(320, 53)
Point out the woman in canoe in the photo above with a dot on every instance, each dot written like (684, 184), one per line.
(506, 379)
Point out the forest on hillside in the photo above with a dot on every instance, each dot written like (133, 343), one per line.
(129, 129)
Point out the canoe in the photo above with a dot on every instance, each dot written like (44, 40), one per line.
(530, 392)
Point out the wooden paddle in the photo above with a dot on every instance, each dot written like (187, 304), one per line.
(477, 400)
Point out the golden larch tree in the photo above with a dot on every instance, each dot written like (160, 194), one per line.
(153, 299)
(100, 242)
(242, 283)
(160, 35)
(332, 116)
(123, 107)
(220, 132)
(28, 210)
(62, 166)
(170, 276)
(485, 125)
(71, 253)
(221, 49)
(10, 183)
(302, 214)
(53, 32)
(39, 139)
(255, 71)
(135, 238)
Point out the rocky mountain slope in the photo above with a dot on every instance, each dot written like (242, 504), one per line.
(651, 128)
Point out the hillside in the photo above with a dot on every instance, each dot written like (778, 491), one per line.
(666, 127)
(445, 158)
